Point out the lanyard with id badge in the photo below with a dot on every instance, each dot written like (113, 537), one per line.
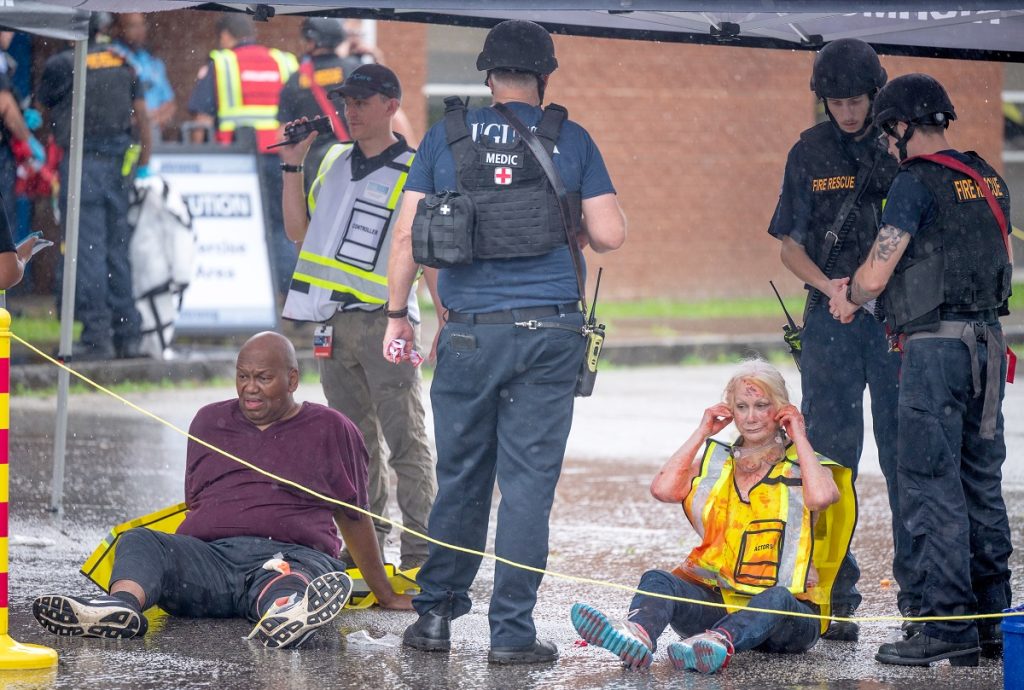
(323, 341)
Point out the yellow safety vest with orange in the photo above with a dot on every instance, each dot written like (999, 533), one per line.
(248, 81)
(771, 539)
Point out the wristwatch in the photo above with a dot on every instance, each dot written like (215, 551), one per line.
(849, 293)
(285, 167)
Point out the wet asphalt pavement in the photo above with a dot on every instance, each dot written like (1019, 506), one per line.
(604, 525)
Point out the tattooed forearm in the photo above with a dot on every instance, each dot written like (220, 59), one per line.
(860, 295)
(887, 243)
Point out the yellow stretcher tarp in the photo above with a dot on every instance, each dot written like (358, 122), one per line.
(99, 565)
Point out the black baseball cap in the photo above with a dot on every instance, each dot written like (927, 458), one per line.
(367, 80)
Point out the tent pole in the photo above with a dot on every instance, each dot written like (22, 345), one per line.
(67, 307)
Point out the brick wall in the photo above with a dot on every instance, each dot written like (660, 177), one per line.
(696, 139)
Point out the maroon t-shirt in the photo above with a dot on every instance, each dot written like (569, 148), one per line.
(318, 448)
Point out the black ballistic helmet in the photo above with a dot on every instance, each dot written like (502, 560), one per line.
(845, 68)
(518, 45)
(916, 99)
(99, 23)
(323, 31)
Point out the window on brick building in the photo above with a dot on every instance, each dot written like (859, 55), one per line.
(451, 68)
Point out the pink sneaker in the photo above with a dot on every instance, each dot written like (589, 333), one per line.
(707, 652)
(629, 641)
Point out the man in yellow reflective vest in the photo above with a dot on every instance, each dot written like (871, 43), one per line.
(239, 87)
(340, 282)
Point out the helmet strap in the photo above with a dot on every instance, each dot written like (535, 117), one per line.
(901, 143)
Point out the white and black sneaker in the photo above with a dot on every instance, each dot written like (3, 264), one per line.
(102, 616)
(290, 622)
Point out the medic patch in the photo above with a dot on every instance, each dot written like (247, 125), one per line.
(503, 176)
(504, 159)
(967, 189)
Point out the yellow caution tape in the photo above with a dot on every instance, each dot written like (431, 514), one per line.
(484, 554)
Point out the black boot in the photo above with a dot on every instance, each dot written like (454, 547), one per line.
(911, 628)
(128, 348)
(991, 636)
(89, 352)
(842, 631)
(922, 650)
(432, 630)
(538, 652)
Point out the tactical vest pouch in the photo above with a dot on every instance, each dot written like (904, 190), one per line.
(442, 230)
(916, 293)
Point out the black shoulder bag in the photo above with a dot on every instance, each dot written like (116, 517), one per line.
(592, 331)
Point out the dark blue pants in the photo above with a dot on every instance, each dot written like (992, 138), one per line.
(951, 486)
(192, 578)
(502, 398)
(766, 632)
(282, 251)
(838, 361)
(8, 177)
(103, 288)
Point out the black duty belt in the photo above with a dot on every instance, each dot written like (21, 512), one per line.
(970, 333)
(512, 316)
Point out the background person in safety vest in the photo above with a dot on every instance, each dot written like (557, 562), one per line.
(249, 546)
(753, 503)
(241, 87)
(836, 177)
(114, 106)
(344, 226)
(305, 94)
(943, 259)
(502, 393)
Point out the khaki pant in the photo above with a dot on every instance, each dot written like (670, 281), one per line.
(383, 400)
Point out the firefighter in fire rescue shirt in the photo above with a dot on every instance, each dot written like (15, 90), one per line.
(836, 177)
(944, 261)
(240, 87)
(502, 393)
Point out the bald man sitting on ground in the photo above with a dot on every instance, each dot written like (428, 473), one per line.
(250, 546)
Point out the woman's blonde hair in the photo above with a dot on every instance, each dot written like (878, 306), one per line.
(761, 374)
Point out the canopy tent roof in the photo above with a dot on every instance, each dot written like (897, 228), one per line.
(978, 30)
(52, 20)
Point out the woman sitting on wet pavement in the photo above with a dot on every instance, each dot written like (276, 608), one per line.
(774, 527)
